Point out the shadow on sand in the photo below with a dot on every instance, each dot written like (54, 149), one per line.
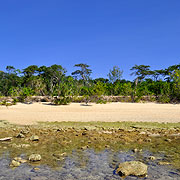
(85, 105)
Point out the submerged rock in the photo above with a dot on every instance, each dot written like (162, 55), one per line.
(59, 155)
(152, 158)
(134, 168)
(34, 157)
(137, 150)
(20, 160)
(15, 163)
(164, 163)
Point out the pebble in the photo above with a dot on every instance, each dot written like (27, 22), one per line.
(152, 158)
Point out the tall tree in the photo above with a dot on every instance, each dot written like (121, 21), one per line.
(115, 74)
(140, 71)
(53, 76)
(84, 72)
(30, 71)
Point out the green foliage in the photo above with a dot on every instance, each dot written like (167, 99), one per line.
(15, 101)
(24, 93)
(3, 103)
(164, 99)
(175, 85)
(99, 88)
(6, 103)
(162, 85)
(115, 74)
(122, 89)
(14, 91)
(141, 71)
(101, 101)
(84, 73)
(63, 91)
(78, 99)
(62, 100)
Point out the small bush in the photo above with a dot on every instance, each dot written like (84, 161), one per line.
(62, 100)
(164, 99)
(78, 99)
(3, 103)
(101, 101)
(15, 100)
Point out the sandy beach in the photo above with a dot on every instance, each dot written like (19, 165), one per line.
(27, 114)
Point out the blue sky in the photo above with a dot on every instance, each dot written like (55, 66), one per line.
(101, 33)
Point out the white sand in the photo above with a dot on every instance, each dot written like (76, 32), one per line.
(150, 112)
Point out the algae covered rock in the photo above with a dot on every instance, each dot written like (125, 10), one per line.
(15, 163)
(20, 135)
(34, 138)
(134, 168)
(34, 157)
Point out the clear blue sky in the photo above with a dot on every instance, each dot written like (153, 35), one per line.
(101, 33)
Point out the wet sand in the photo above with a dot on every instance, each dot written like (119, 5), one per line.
(27, 114)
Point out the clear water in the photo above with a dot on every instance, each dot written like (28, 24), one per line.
(87, 165)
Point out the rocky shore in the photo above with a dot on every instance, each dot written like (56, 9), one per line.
(51, 146)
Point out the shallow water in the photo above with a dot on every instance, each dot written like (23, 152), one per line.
(87, 165)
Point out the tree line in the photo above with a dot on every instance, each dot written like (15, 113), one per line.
(161, 85)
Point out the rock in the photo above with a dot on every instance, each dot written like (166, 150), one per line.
(15, 163)
(36, 169)
(34, 138)
(20, 145)
(148, 140)
(137, 150)
(14, 145)
(25, 145)
(152, 158)
(17, 159)
(24, 131)
(107, 146)
(20, 160)
(174, 135)
(142, 133)
(107, 132)
(59, 155)
(6, 139)
(168, 140)
(134, 168)
(34, 157)
(23, 161)
(20, 135)
(155, 135)
(164, 163)
(84, 147)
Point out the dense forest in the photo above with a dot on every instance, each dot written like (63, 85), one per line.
(160, 85)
